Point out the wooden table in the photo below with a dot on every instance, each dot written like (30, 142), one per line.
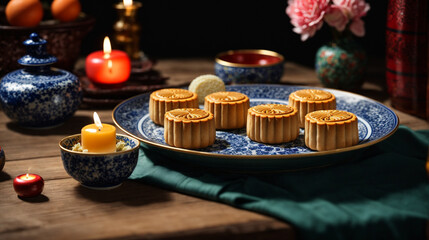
(67, 210)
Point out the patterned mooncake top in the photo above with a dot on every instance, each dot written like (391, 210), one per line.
(323, 116)
(173, 94)
(188, 114)
(272, 109)
(312, 95)
(227, 97)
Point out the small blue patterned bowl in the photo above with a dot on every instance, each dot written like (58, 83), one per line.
(249, 66)
(99, 171)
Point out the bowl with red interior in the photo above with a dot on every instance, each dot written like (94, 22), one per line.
(249, 66)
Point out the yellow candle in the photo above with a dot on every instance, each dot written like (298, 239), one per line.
(98, 137)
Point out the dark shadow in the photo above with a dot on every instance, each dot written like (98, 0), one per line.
(37, 199)
(290, 83)
(131, 193)
(4, 176)
(380, 96)
(219, 144)
(67, 128)
(375, 77)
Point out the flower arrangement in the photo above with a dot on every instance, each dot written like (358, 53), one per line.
(307, 16)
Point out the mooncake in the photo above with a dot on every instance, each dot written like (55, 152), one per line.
(190, 128)
(309, 100)
(272, 123)
(330, 129)
(205, 85)
(164, 100)
(229, 109)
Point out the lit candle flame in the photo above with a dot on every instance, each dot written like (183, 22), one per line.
(107, 48)
(27, 177)
(97, 121)
(128, 3)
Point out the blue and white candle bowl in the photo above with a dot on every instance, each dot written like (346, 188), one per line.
(249, 66)
(99, 170)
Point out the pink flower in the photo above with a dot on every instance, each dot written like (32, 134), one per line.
(355, 10)
(357, 27)
(336, 16)
(306, 16)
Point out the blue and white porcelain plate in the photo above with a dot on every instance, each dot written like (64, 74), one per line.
(234, 148)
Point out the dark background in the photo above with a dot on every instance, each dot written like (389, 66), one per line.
(203, 28)
(172, 28)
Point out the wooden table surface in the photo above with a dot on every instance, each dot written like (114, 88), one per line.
(67, 210)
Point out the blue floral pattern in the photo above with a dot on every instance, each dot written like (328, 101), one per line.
(376, 121)
(240, 75)
(99, 170)
(39, 96)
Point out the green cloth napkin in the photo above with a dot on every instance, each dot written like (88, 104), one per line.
(383, 195)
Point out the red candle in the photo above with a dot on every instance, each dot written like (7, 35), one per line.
(108, 67)
(28, 185)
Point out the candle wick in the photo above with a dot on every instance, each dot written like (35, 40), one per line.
(110, 65)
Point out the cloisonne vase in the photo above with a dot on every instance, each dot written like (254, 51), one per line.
(341, 63)
(39, 96)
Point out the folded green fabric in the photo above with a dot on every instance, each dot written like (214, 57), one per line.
(383, 195)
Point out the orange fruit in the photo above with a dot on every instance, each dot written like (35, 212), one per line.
(24, 13)
(65, 10)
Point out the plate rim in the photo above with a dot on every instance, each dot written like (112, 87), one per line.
(195, 152)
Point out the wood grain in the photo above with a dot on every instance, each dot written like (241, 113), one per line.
(66, 210)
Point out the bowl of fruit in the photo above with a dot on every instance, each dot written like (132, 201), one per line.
(60, 22)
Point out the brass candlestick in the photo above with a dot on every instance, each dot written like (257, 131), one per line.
(127, 30)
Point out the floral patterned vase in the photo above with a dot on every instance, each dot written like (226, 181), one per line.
(341, 64)
(38, 95)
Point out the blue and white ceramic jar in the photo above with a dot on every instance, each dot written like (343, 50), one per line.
(38, 95)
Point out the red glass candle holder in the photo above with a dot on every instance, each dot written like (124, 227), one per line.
(111, 69)
(28, 185)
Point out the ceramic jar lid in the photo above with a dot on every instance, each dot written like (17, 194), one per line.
(36, 52)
